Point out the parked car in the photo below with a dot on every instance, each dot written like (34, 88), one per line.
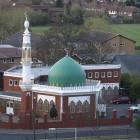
(122, 100)
(135, 108)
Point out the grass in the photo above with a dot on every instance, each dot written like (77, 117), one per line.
(131, 31)
(39, 29)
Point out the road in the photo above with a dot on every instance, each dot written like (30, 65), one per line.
(7, 134)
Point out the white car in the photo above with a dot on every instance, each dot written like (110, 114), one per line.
(135, 108)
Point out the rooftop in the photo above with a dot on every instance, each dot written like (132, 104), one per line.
(44, 70)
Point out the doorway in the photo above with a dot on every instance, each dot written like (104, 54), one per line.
(9, 107)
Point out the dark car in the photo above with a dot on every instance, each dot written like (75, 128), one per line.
(122, 100)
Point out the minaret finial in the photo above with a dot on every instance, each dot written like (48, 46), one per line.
(25, 14)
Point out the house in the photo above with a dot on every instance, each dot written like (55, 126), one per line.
(108, 44)
(129, 12)
(113, 10)
(9, 56)
(129, 63)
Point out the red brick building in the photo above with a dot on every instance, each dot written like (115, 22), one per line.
(72, 88)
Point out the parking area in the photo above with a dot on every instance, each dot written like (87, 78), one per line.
(122, 109)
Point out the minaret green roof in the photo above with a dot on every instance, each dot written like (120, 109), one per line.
(66, 72)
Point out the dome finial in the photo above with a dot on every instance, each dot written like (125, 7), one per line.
(67, 52)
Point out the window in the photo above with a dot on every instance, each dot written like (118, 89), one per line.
(72, 107)
(90, 75)
(122, 44)
(40, 104)
(109, 74)
(11, 60)
(10, 82)
(86, 106)
(15, 83)
(114, 45)
(96, 74)
(115, 73)
(46, 105)
(79, 106)
(102, 74)
(5, 60)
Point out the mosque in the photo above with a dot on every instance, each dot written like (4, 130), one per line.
(72, 88)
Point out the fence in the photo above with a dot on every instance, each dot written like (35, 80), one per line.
(90, 133)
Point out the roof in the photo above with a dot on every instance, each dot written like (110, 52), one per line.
(16, 39)
(98, 36)
(101, 36)
(10, 95)
(130, 9)
(7, 51)
(66, 72)
(129, 63)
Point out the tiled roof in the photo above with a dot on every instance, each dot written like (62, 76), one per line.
(129, 63)
(16, 39)
(130, 9)
(113, 7)
(98, 36)
(6, 52)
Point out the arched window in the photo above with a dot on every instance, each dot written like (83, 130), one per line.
(46, 105)
(86, 106)
(40, 104)
(109, 90)
(79, 106)
(72, 107)
(51, 103)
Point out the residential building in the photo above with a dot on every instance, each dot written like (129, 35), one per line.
(9, 56)
(107, 46)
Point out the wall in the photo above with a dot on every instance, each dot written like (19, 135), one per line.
(128, 48)
(13, 87)
(79, 122)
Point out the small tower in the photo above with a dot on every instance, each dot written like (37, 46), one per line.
(26, 61)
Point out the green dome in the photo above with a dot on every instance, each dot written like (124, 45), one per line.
(65, 73)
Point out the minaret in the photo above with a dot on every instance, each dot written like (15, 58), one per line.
(26, 83)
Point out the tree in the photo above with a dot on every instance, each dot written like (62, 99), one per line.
(36, 2)
(59, 3)
(53, 112)
(135, 87)
(96, 23)
(137, 121)
(77, 14)
(130, 3)
(126, 80)
(55, 42)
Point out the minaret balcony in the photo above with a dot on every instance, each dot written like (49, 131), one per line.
(24, 60)
(31, 82)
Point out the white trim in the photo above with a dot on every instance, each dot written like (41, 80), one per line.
(112, 85)
(10, 98)
(15, 82)
(88, 89)
(90, 74)
(78, 98)
(103, 75)
(44, 97)
(116, 75)
(10, 82)
(109, 74)
(97, 75)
